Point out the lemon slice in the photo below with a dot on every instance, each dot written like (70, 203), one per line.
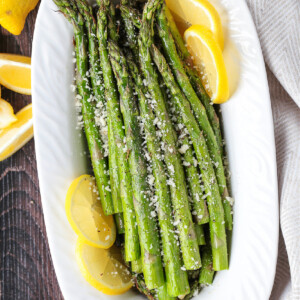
(7, 115)
(103, 268)
(208, 57)
(13, 137)
(15, 73)
(197, 12)
(85, 214)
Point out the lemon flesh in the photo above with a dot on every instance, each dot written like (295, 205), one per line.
(7, 116)
(207, 56)
(85, 214)
(197, 12)
(15, 73)
(103, 268)
(13, 137)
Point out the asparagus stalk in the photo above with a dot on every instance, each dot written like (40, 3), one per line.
(119, 220)
(207, 272)
(216, 212)
(200, 212)
(95, 145)
(111, 21)
(179, 195)
(132, 249)
(98, 89)
(95, 70)
(195, 79)
(131, 14)
(176, 278)
(137, 266)
(130, 29)
(162, 293)
(200, 234)
(198, 108)
(147, 227)
(114, 172)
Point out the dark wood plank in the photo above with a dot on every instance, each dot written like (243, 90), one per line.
(26, 270)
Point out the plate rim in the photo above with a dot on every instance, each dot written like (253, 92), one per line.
(39, 155)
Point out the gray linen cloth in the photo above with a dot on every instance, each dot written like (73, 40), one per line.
(278, 26)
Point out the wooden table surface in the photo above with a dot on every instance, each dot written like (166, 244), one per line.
(26, 269)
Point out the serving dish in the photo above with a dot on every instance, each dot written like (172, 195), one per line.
(248, 127)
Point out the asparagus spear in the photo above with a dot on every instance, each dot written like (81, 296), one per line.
(216, 212)
(147, 227)
(137, 266)
(132, 249)
(176, 278)
(200, 234)
(162, 293)
(98, 89)
(119, 220)
(114, 172)
(207, 272)
(195, 79)
(131, 14)
(113, 157)
(111, 21)
(183, 218)
(95, 145)
(95, 70)
(198, 108)
(200, 211)
(130, 29)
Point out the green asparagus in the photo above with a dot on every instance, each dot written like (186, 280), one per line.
(198, 108)
(130, 29)
(207, 272)
(137, 266)
(162, 293)
(119, 220)
(147, 227)
(195, 79)
(95, 145)
(176, 278)
(183, 217)
(200, 234)
(217, 227)
(98, 89)
(132, 249)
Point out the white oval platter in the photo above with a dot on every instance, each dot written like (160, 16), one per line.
(248, 127)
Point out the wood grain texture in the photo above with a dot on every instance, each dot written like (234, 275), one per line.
(26, 270)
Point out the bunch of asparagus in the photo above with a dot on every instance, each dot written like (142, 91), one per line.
(155, 144)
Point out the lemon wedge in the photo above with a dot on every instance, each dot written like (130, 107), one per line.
(15, 73)
(7, 115)
(85, 214)
(197, 12)
(208, 57)
(103, 268)
(13, 137)
(13, 14)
